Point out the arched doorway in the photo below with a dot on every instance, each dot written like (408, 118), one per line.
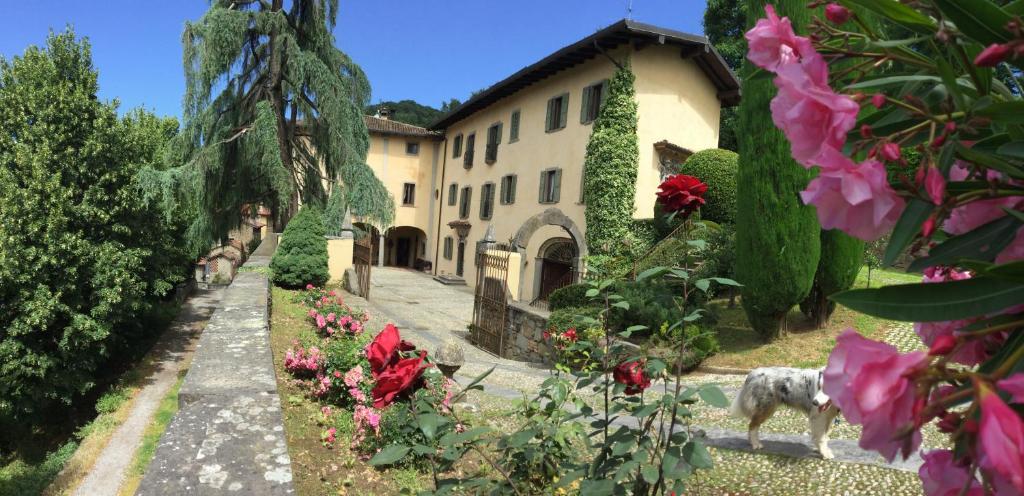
(557, 265)
(552, 225)
(405, 246)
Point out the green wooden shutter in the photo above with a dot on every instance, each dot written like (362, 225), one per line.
(585, 106)
(513, 129)
(604, 94)
(557, 186)
(512, 194)
(549, 120)
(500, 126)
(564, 114)
(483, 202)
(540, 193)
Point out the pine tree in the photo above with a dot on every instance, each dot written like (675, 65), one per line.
(272, 112)
(777, 237)
(610, 168)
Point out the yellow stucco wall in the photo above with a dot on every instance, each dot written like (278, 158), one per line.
(676, 102)
(339, 258)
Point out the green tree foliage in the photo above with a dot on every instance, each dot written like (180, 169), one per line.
(272, 111)
(841, 259)
(717, 168)
(610, 168)
(724, 22)
(82, 258)
(334, 213)
(301, 258)
(777, 237)
(407, 111)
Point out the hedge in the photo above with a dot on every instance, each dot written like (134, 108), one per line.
(717, 168)
(573, 295)
(576, 317)
(301, 258)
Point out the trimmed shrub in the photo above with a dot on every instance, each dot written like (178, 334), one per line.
(565, 318)
(841, 258)
(650, 304)
(718, 257)
(717, 169)
(573, 295)
(301, 258)
(777, 237)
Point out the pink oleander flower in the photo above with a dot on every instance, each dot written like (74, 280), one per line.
(935, 185)
(773, 43)
(891, 152)
(942, 476)
(856, 199)
(1001, 441)
(878, 100)
(1014, 251)
(971, 351)
(354, 376)
(992, 55)
(837, 14)
(872, 385)
(1015, 386)
(812, 116)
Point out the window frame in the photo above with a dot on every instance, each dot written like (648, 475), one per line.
(554, 186)
(559, 121)
(507, 193)
(513, 125)
(453, 194)
(457, 146)
(449, 247)
(412, 144)
(467, 153)
(465, 198)
(487, 200)
(406, 189)
(598, 89)
(491, 148)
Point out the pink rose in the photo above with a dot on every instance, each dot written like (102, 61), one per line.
(1015, 386)
(855, 199)
(320, 322)
(872, 384)
(773, 43)
(309, 286)
(1001, 440)
(935, 184)
(812, 116)
(330, 317)
(942, 476)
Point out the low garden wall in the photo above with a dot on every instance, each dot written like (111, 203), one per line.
(524, 340)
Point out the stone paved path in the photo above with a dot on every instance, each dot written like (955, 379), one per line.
(430, 313)
(173, 349)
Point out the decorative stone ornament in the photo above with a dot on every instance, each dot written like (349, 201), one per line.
(449, 358)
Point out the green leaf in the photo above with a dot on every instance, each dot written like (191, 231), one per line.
(1015, 7)
(713, 396)
(390, 454)
(420, 449)
(635, 328)
(980, 19)
(992, 322)
(520, 438)
(646, 410)
(697, 455)
(934, 302)
(1004, 112)
(989, 160)
(624, 446)
(454, 438)
(1014, 149)
(906, 229)
(621, 304)
(651, 272)
(649, 473)
(601, 487)
(592, 292)
(625, 470)
(429, 422)
(897, 12)
(703, 285)
(983, 243)
(891, 80)
(725, 281)
(1012, 270)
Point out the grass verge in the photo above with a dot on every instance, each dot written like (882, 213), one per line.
(144, 454)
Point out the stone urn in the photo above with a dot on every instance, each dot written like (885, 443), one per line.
(449, 358)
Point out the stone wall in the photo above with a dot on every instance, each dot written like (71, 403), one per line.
(524, 339)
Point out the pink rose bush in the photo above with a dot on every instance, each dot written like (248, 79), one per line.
(330, 315)
(958, 208)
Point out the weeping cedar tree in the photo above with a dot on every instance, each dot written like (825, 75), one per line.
(272, 112)
(83, 261)
(610, 168)
(777, 237)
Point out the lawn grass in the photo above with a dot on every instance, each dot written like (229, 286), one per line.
(802, 345)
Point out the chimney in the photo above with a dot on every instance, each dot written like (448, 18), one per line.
(384, 113)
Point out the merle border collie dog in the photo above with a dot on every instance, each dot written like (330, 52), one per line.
(768, 387)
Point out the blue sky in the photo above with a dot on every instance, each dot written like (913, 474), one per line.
(428, 51)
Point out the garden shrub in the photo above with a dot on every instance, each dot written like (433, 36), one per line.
(717, 169)
(841, 258)
(700, 340)
(301, 258)
(574, 317)
(645, 236)
(85, 260)
(650, 304)
(573, 295)
(718, 258)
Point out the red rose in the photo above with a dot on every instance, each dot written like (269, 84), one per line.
(570, 334)
(681, 193)
(632, 375)
(383, 349)
(396, 379)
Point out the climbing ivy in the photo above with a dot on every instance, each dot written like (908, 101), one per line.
(610, 168)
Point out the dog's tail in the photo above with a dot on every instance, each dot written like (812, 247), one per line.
(738, 408)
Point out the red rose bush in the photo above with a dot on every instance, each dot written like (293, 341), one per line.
(851, 103)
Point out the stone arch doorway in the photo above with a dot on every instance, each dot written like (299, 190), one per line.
(556, 266)
(571, 253)
(405, 246)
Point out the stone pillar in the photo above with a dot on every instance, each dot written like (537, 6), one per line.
(488, 241)
(381, 252)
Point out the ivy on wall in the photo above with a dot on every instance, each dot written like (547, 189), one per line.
(610, 168)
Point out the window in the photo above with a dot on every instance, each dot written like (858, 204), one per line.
(467, 159)
(508, 189)
(453, 192)
(513, 127)
(487, 201)
(448, 245)
(593, 97)
(412, 148)
(457, 146)
(464, 202)
(493, 138)
(408, 193)
(550, 184)
(558, 110)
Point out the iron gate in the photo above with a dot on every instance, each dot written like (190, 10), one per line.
(490, 303)
(362, 259)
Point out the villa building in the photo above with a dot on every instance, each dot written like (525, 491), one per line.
(511, 157)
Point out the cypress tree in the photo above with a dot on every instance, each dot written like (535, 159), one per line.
(610, 168)
(841, 258)
(272, 112)
(777, 237)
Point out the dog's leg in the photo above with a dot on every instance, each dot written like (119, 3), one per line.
(755, 425)
(820, 424)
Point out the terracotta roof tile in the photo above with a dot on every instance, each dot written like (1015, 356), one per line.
(388, 126)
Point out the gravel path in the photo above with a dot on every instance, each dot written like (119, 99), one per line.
(170, 352)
